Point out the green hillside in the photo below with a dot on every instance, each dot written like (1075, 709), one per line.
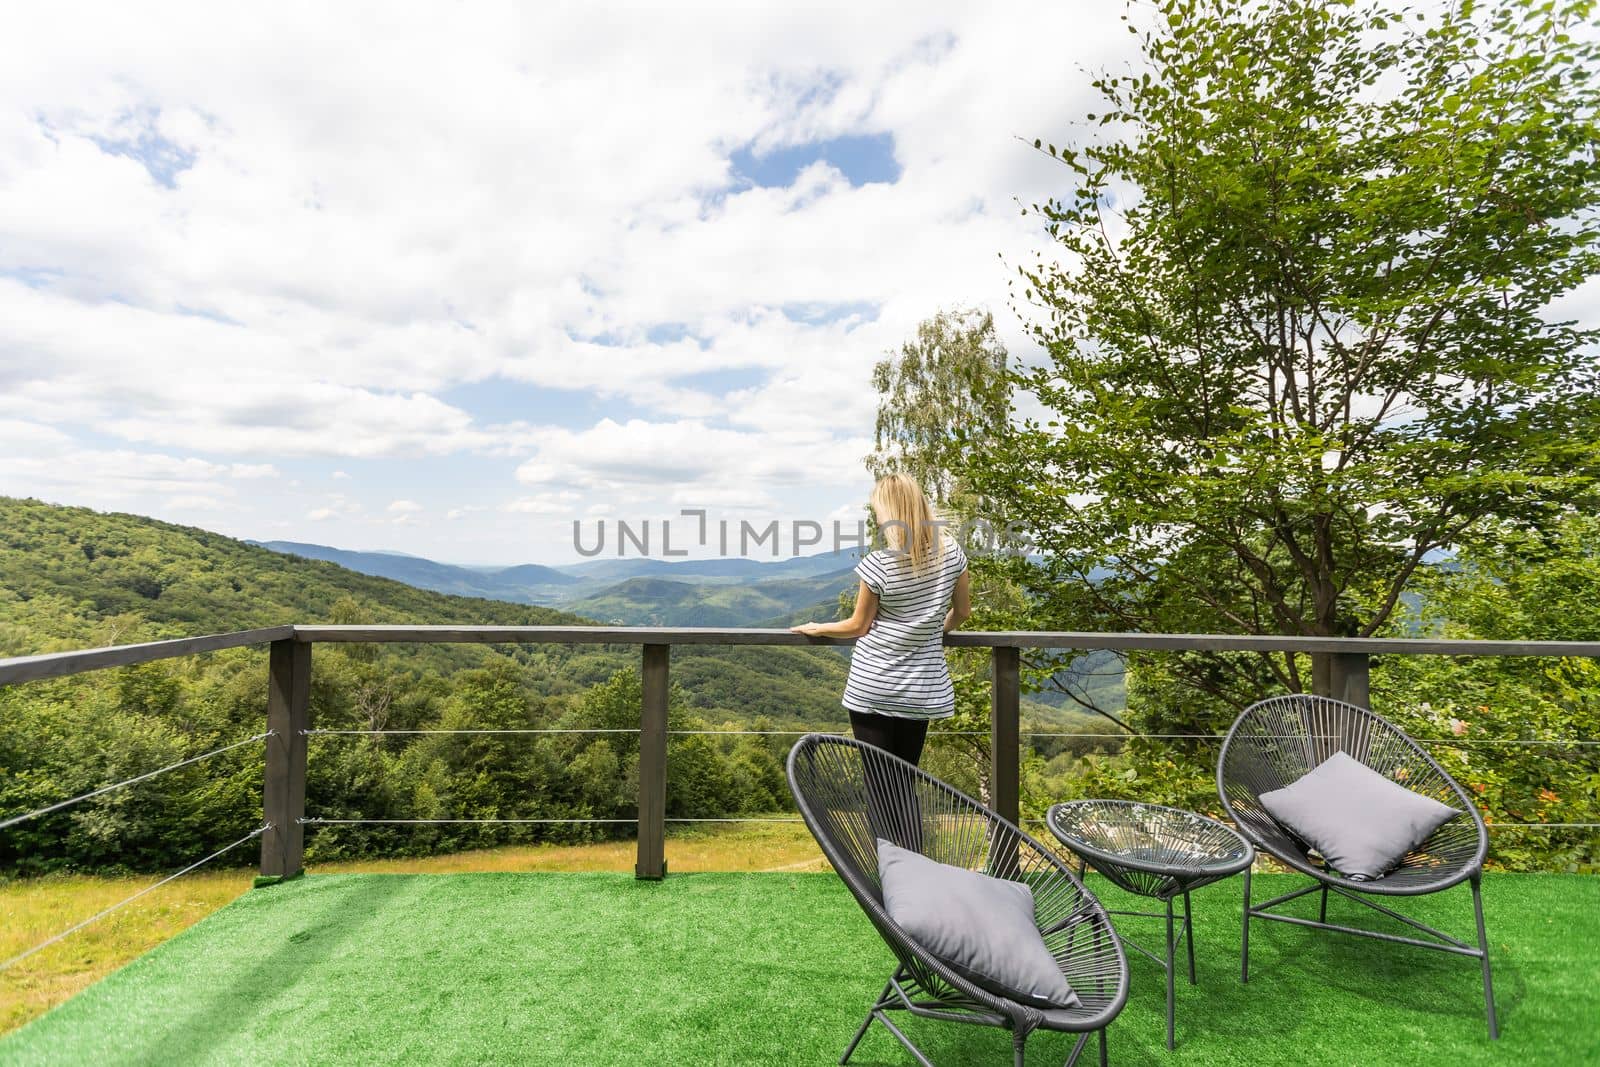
(653, 601)
(61, 567)
(825, 610)
(632, 591)
(525, 584)
(74, 578)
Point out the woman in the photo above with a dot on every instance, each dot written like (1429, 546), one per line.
(911, 594)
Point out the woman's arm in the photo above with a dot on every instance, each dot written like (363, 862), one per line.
(854, 626)
(960, 603)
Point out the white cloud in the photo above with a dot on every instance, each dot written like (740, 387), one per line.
(337, 506)
(555, 503)
(338, 232)
(404, 512)
(611, 456)
(731, 499)
(195, 502)
(21, 437)
(42, 461)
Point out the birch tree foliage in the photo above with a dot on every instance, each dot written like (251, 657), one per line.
(943, 395)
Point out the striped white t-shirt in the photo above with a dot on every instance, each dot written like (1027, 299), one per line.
(898, 666)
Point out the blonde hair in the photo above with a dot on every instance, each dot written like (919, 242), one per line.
(906, 519)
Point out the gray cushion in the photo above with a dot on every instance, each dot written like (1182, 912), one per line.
(981, 927)
(1361, 822)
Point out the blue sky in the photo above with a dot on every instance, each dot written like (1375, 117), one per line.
(861, 158)
(383, 281)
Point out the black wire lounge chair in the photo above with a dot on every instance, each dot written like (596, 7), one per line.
(850, 794)
(1274, 742)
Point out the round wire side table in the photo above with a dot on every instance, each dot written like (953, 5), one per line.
(1153, 851)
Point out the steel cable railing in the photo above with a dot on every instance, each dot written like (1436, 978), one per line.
(114, 786)
(558, 731)
(1067, 734)
(1498, 825)
(15, 819)
(932, 736)
(101, 914)
(320, 821)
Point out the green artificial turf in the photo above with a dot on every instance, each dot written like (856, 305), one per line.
(767, 968)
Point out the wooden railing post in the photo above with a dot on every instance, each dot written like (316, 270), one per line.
(283, 789)
(1348, 678)
(653, 765)
(1004, 725)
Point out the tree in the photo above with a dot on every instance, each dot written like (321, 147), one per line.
(1516, 732)
(1299, 338)
(944, 395)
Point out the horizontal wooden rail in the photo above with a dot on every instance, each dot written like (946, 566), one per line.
(558, 635)
(60, 664)
(1073, 640)
(1368, 646)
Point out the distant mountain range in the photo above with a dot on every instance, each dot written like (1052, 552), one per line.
(526, 584)
(651, 601)
(723, 569)
(634, 592)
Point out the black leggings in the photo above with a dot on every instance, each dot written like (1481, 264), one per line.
(893, 811)
(896, 736)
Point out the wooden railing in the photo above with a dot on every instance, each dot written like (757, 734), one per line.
(1342, 671)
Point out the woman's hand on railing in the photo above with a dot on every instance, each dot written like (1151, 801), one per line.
(859, 622)
(844, 629)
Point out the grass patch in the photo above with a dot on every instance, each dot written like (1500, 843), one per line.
(760, 968)
(689, 848)
(32, 910)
